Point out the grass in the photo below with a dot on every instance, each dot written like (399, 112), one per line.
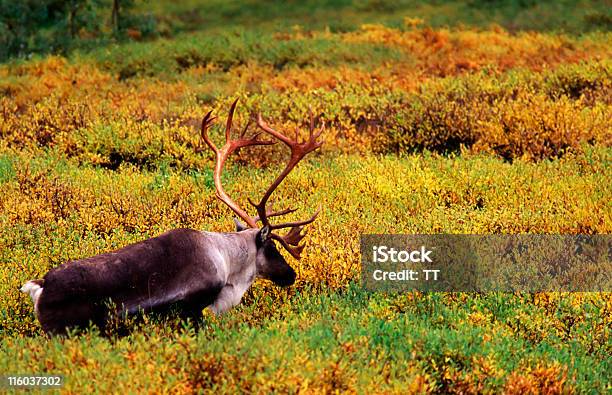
(345, 15)
(166, 58)
(451, 125)
(346, 341)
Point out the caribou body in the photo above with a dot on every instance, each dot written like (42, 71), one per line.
(183, 270)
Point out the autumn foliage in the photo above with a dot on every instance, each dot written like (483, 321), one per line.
(429, 130)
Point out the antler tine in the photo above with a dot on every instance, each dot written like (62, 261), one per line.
(230, 119)
(318, 134)
(264, 126)
(295, 235)
(278, 213)
(311, 125)
(269, 212)
(295, 251)
(246, 127)
(312, 134)
(296, 223)
(206, 122)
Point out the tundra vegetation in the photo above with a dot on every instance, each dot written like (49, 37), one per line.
(442, 117)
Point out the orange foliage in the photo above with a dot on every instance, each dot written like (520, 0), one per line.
(540, 380)
(444, 52)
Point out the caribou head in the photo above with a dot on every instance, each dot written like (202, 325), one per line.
(182, 270)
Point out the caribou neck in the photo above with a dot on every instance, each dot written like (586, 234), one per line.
(238, 250)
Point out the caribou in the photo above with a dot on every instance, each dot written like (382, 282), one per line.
(182, 270)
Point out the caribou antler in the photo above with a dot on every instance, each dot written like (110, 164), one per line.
(290, 241)
(298, 151)
(225, 151)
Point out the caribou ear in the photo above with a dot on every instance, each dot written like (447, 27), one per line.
(239, 225)
(263, 235)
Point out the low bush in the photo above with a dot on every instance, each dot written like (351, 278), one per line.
(52, 210)
(514, 115)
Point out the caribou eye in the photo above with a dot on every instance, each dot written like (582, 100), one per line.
(264, 235)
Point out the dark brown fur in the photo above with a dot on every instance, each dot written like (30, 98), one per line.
(153, 275)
